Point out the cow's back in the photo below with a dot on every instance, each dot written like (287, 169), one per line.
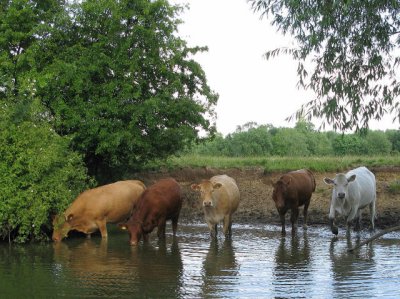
(113, 201)
(304, 182)
(229, 192)
(164, 197)
(364, 185)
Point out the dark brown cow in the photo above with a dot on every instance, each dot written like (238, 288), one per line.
(160, 202)
(292, 190)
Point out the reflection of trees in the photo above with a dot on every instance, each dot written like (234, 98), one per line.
(292, 265)
(350, 271)
(219, 267)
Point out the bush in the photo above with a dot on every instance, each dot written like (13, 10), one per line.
(40, 176)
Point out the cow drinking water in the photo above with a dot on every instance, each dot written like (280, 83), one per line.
(160, 202)
(220, 199)
(351, 193)
(291, 191)
(94, 208)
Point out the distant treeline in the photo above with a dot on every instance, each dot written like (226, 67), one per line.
(252, 139)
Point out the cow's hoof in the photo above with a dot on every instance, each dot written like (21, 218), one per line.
(335, 230)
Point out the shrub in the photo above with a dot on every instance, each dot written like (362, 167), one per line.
(40, 176)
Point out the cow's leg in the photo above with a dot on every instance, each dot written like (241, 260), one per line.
(372, 212)
(145, 237)
(227, 226)
(101, 224)
(213, 229)
(357, 226)
(294, 216)
(305, 213)
(161, 229)
(174, 225)
(334, 228)
(350, 217)
(282, 217)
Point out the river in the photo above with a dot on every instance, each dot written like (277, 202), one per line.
(256, 263)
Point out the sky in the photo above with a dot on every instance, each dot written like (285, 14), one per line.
(250, 88)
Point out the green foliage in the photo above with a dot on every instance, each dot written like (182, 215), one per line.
(290, 142)
(302, 140)
(39, 176)
(353, 47)
(394, 138)
(349, 145)
(113, 75)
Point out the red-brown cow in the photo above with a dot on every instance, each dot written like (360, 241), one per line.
(92, 209)
(292, 190)
(160, 202)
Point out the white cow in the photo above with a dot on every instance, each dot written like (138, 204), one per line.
(352, 192)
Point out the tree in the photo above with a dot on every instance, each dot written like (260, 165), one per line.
(394, 138)
(114, 77)
(289, 142)
(352, 45)
(349, 144)
(377, 143)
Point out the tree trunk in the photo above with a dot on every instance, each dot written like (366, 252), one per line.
(388, 230)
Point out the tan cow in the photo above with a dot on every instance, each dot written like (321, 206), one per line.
(94, 208)
(220, 197)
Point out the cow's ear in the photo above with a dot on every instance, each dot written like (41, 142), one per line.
(352, 178)
(328, 181)
(217, 185)
(69, 217)
(195, 187)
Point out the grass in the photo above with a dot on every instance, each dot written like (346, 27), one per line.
(271, 164)
(394, 187)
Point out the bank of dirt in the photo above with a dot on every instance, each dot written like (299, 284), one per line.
(257, 206)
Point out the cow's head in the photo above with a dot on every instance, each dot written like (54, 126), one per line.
(281, 189)
(61, 227)
(134, 229)
(340, 185)
(206, 189)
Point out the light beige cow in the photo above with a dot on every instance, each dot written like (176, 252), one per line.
(94, 208)
(220, 199)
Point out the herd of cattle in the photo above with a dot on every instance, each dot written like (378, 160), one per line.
(140, 209)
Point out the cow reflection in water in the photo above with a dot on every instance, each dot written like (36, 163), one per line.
(219, 268)
(88, 258)
(148, 271)
(292, 264)
(355, 267)
(159, 270)
(98, 270)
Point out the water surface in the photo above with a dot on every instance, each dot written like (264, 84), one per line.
(256, 263)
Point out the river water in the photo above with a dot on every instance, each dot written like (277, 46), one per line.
(256, 263)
